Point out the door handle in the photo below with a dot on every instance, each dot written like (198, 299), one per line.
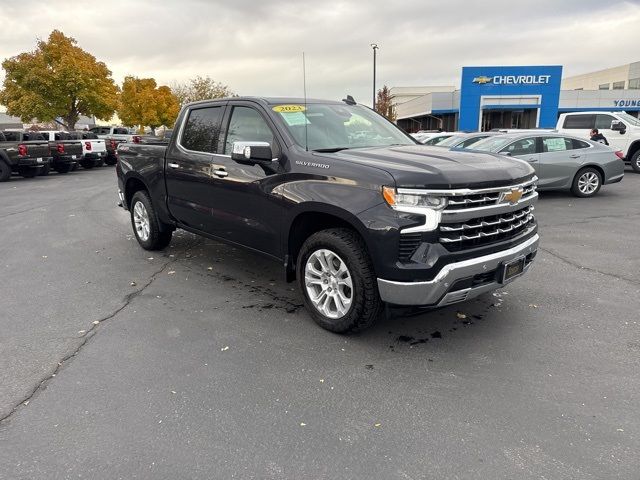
(532, 160)
(575, 156)
(221, 172)
(173, 165)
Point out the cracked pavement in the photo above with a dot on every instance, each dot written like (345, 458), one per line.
(539, 381)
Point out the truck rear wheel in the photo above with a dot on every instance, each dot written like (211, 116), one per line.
(5, 171)
(28, 172)
(63, 168)
(337, 281)
(635, 161)
(145, 223)
(44, 171)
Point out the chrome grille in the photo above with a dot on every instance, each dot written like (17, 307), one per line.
(485, 198)
(485, 230)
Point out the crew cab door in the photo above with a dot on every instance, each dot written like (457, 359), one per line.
(191, 167)
(617, 140)
(249, 214)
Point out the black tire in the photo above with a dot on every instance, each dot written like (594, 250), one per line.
(110, 160)
(365, 305)
(63, 168)
(87, 164)
(157, 238)
(44, 171)
(635, 161)
(586, 173)
(28, 172)
(5, 171)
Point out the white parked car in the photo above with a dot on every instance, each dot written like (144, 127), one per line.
(431, 138)
(621, 130)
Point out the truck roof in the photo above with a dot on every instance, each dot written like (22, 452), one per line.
(271, 100)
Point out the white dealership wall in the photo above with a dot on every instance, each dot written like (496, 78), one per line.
(593, 80)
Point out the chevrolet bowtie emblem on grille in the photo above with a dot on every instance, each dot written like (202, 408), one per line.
(482, 80)
(513, 196)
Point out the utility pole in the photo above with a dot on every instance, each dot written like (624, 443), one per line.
(375, 47)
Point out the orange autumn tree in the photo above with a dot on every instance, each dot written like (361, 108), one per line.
(58, 80)
(142, 103)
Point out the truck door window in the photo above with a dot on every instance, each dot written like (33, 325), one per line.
(247, 125)
(12, 136)
(603, 122)
(525, 146)
(202, 129)
(581, 122)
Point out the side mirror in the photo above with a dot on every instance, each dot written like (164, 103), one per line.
(251, 152)
(618, 126)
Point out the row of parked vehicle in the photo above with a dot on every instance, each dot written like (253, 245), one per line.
(562, 161)
(32, 153)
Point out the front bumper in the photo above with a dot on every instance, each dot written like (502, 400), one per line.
(457, 282)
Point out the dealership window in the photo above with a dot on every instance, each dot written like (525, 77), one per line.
(603, 86)
(618, 85)
(634, 84)
(580, 121)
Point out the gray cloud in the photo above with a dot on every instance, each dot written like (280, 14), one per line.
(255, 46)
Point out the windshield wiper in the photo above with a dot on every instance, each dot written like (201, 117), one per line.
(330, 150)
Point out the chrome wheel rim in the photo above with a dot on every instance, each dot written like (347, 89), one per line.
(141, 221)
(328, 283)
(588, 183)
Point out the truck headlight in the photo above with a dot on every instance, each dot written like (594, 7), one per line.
(405, 198)
(430, 206)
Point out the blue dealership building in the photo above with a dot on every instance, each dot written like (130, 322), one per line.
(515, 97)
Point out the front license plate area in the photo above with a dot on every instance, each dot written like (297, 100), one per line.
(512, 269)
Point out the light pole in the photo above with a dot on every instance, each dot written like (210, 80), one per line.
(374, 46)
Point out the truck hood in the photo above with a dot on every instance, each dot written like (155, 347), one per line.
(433, 167)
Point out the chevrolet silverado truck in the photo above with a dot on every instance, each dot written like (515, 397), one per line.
(22, 153)
(66, 151)
(621, 130)
(94, 149)
(354, 209)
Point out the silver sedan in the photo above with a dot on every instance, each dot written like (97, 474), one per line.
(562, 162)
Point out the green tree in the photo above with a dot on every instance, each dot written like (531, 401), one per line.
(383, 104)
(200, 88)
(58, 80)
(142, 102)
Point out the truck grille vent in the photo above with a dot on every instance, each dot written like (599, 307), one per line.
(409, 243)
(474, 200)
(485, 230)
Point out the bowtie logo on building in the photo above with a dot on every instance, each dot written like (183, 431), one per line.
(483, 80)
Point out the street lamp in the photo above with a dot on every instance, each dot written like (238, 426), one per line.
(375, 47)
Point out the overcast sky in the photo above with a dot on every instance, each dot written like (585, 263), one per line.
(256, 46)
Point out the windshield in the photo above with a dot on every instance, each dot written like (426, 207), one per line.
(338, 127)
(492, 144)
(437, 140)
(451, 141)
(629, 118)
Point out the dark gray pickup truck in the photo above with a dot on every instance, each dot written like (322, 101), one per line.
(351, 206)
(21, 154)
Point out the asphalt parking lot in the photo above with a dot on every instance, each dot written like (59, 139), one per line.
(200, 362)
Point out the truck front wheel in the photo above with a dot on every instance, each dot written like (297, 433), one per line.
(337, 281)
(145, 223)
(635, 161)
